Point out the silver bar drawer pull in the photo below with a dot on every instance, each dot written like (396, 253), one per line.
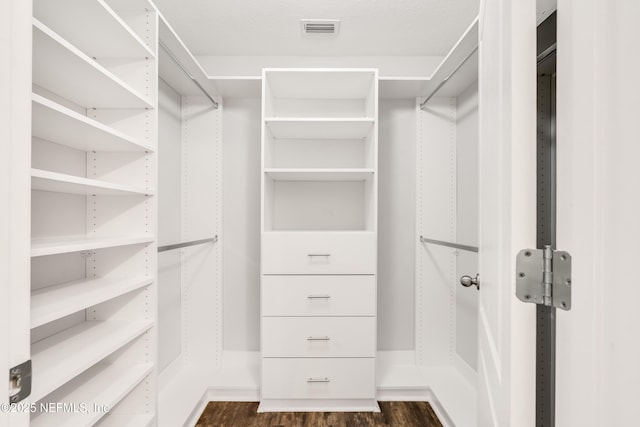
(318, 380)
(319, 296)
(312, 255)
(318, 339)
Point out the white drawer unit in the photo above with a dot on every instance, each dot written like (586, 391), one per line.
(319, 295)
(319, 253)
(318, 336)
(319, 239)
(318, 378)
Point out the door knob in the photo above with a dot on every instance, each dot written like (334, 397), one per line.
(468, 281)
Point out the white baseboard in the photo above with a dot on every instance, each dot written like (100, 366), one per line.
(323, 405)
(233, 394)
(193, 418)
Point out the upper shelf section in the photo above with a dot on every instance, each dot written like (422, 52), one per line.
(68, 72)
(88, 33)
(312, 93)
(458, 69)
(171, 72)
(410, 86)
(320, 84)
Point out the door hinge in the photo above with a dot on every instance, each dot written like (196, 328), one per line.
(543, 276)
(20, 382)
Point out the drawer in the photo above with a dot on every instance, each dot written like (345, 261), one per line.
(318, 295)
(318, 379)
(318, 336)
(319, 253)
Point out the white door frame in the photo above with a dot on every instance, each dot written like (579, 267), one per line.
(507, 107)
(15, 194)
(598, 348)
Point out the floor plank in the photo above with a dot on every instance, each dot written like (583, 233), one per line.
(244, 414)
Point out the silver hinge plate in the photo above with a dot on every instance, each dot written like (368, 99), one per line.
(543, 276)
(20, 382)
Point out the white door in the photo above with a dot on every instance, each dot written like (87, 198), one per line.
(598, 140)
(15, 184)
(507, 206)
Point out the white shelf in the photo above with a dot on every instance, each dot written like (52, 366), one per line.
(60, 357)
(61, 183)
(100, 33)
(126, 420)
(64, 70)
(171, 73)
(56, 123)
(102, 384)
(462, 78)
(319, 174)
(54, 302)
(53, 246)
(320, 83)
(319, 128)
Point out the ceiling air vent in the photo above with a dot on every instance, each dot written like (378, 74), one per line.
(320, 26)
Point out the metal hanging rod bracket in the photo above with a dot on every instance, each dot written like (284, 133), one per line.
(165, 248)
(449, 244)
(184, 69)
(446, 79)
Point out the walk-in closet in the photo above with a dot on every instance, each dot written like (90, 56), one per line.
(314, 207)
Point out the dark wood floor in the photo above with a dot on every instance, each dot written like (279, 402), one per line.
(243, 414)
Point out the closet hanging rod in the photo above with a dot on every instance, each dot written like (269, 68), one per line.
(448, 77)
(449, 244)
(165, 248)
(193, 79)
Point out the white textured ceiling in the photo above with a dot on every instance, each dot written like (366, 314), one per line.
(272, 27)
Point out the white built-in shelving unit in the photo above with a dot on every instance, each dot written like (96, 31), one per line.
(319, 228)
(93, 217)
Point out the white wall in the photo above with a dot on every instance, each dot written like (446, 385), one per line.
(467, 223)
(396, 218)
(169, 224)
(241, 224)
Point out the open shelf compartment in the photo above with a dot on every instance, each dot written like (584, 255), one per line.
(308, 200)
(94, 393)
(320, 92)
(325, 128)
(56, 123)
(55, 302)
(88, 33)
(62, 356)
(64, 70)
